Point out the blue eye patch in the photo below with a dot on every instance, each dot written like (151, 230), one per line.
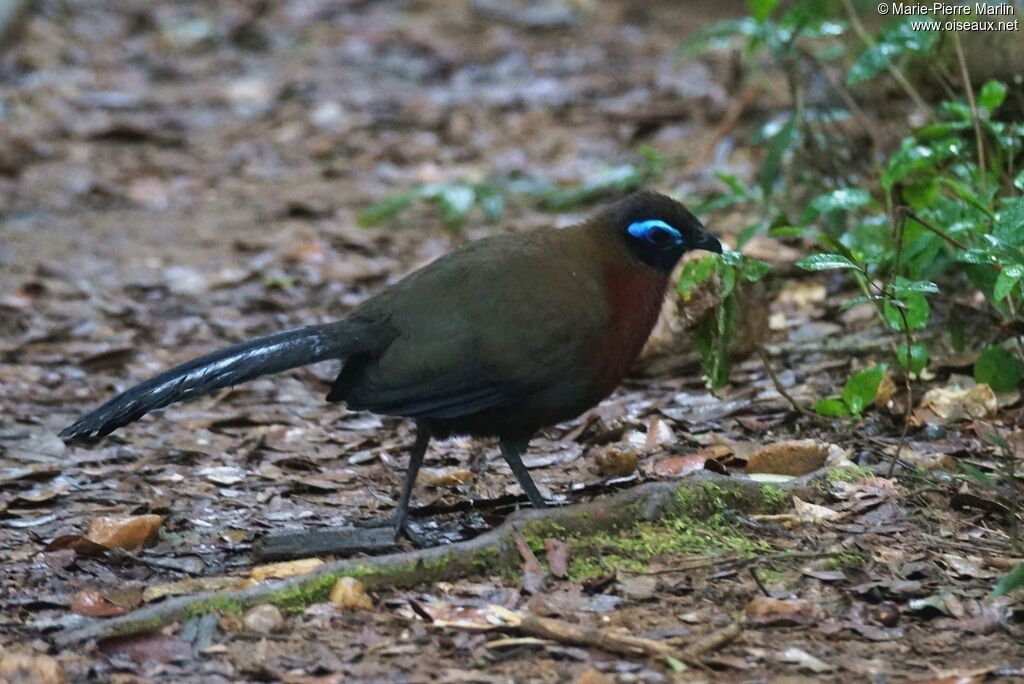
(656, 232)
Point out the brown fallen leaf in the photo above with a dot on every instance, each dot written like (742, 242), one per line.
(92, 604)
(445, 477)
(794, 457)
(129, 532)
(813, 513)
(558, 557)
(33, 668)
(533, 573)
(613, 461)
(192, 585)
(955, 402)
(349, 592)
(285, 569)
(148, 648)
(767, 611)
(592, 676)
(805, 660)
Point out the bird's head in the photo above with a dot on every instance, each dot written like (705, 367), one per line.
(657, 230)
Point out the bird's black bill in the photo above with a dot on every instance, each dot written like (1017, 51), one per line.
(710, 243)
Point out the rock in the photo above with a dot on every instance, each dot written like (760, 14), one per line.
(263, 619)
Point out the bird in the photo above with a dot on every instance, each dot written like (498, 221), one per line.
(501, 337)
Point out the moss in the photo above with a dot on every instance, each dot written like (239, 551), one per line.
(316, 590)
(776, 499)
(698, 523)
(137, 627)
(215, 604)
(536, 531)
(850, 473)
(843, 561)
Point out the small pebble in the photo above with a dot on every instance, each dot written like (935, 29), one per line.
(263, 619)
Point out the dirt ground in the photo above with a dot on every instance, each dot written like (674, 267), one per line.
(175, 177)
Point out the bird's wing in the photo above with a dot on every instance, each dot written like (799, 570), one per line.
(481, 333)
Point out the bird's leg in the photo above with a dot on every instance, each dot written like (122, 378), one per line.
(512, 451)
(397, 519)
(419, 450)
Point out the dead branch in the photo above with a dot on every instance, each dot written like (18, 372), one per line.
(489, 553)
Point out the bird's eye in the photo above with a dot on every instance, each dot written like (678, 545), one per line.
(655, 232)
(660, 237)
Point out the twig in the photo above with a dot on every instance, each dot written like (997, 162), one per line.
(13, 14)
(595, 637)
(758, 582)
(782, 390)
(725, 126)
(893, 70)
(849, 100)
(738, 560)
(969, 89)
(911, 214)
(713, 641)
(901, 223)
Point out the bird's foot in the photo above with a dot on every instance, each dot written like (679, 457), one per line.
(402, 526)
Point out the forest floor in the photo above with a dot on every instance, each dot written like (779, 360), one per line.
(175, 178)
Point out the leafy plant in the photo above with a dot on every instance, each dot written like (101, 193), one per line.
(455, 200)
(1010, 581)
(713, 336)
(944, 206)
(858, 393)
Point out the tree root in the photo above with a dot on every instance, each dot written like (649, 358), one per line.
(492, 553)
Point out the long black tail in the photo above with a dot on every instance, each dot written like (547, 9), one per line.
(231, 366)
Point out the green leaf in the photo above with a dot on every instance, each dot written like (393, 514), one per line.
(761, 9)
(903, 285)
(999, 369)
(387, 208)
(992, 95)
(895, 40)
(860, 390)
(1009, 226)
(752, 270)
(860, 299)
(492, 200)
(957, 332)
(717, 36)
(979, 476)
(909, 158)
(714, 337)
(1008, 278)
(976, 256)
(833, 408)
(826, 262)
(787, 231)
(675, 664)
(695, 272)
(1018, 181)
(842, 199)
(910, 305)
(454, 202)
(1010, 581)
(916, 360)
(771, 167)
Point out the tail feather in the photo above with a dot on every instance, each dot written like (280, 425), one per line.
(224, 368)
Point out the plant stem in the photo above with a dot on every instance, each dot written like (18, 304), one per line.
(969, 89)
(901, 224)
(907, 86)
(911, 214)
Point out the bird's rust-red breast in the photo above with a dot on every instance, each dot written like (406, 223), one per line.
(635, 294)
